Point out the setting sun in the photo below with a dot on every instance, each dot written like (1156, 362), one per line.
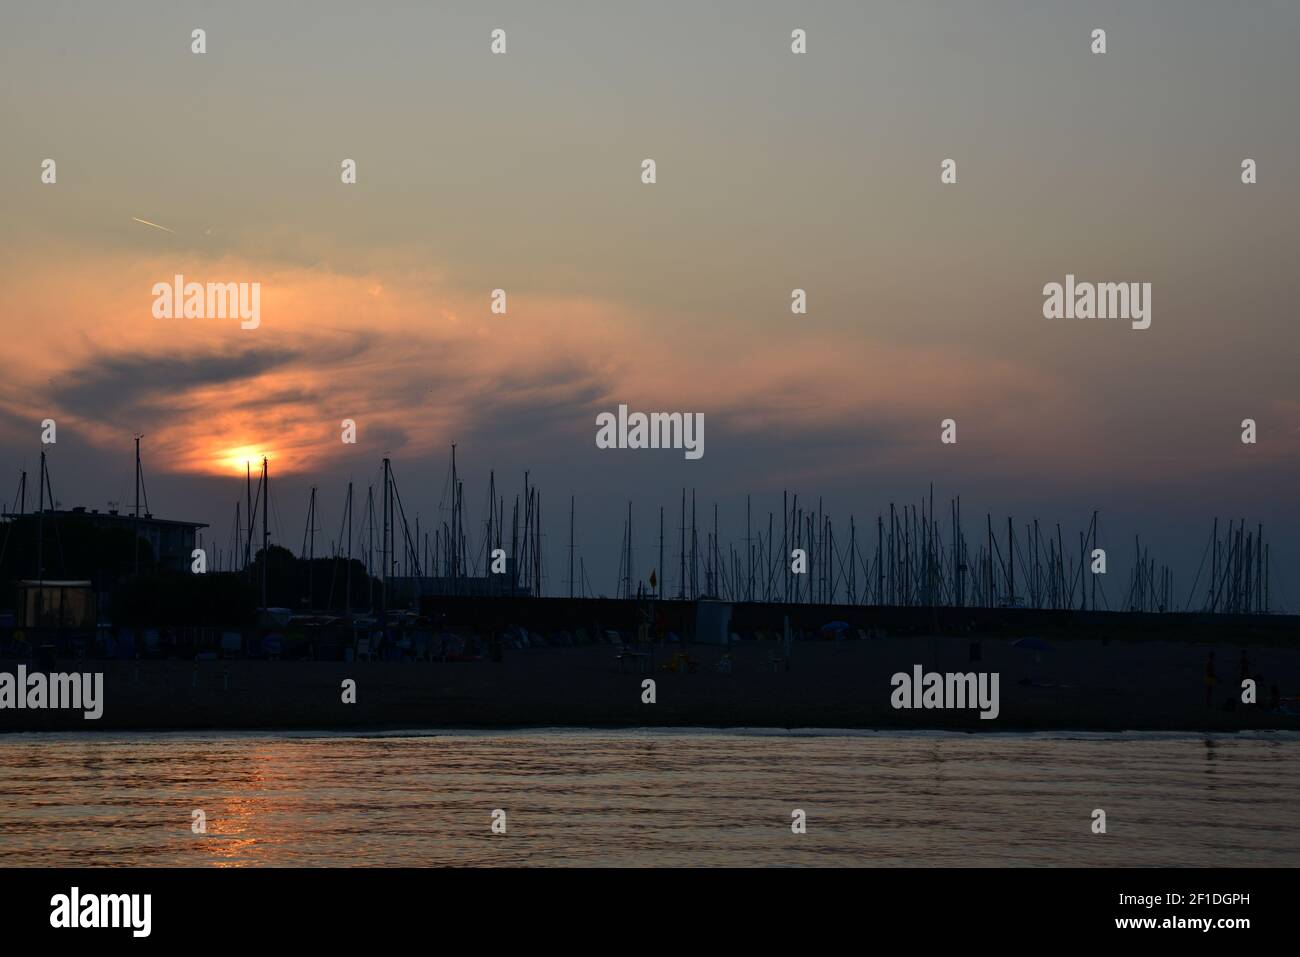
(243, 457)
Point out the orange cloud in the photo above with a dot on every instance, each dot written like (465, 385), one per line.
(417, 362)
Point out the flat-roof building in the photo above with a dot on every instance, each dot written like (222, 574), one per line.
(172, 542)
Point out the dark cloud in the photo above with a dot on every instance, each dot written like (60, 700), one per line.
(114, 386)
(133, 386)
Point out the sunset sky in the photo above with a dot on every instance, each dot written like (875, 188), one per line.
(775, 171)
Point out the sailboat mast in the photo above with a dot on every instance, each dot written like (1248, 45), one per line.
(266, 534)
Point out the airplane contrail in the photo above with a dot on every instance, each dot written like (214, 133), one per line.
(154, 225)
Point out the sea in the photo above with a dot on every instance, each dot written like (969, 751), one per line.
(642, 798)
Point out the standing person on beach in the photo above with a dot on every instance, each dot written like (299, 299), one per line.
(1210, 679)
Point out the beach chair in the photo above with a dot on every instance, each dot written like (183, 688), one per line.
(623, 654)
(681, 663)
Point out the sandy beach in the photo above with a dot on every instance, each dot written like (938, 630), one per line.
(1079, 684)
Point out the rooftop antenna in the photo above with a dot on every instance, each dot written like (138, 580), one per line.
(248, 489)
(40, 512)
(348, 579)
(136, 522)
(266, 536)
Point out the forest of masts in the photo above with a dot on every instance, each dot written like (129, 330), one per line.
(909, 556)
(392, 547)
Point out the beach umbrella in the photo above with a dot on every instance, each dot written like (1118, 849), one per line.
(1036, 645)
(834, 629)
(1031, 644)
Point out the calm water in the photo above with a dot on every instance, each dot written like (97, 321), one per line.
(649, 797)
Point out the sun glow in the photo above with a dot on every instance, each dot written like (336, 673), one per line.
(242, 458)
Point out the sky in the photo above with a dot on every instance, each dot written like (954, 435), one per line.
(775, 171)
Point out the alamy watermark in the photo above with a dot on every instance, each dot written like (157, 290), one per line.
(213, 300)
(75, 909)
(948, 690)
(1103, 300)
(651, 430)
(78, 691)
